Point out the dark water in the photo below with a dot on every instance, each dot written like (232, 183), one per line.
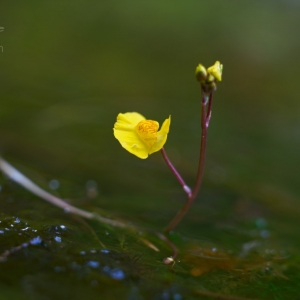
(67, 70)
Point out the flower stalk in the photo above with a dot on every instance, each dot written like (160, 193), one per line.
(185, 187)
(191, 196)
(141, 136)
(207, 79)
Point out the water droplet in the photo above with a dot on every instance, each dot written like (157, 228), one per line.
(82, 252)
(1, 231)
(17, 220)
(117, 274)
(165, 296)
(177, 296)
(93, 251)
(57, 239)
(54, 184)
(105, 251)
(36, 241)
(63, 227)
(93, 264)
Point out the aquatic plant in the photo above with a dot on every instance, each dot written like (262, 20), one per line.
(141, 137)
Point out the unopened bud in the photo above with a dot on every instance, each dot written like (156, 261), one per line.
(210, 87)
(201, 73)
(210, 78)
(216, 71)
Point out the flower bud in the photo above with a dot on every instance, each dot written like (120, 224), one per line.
(210, 87)
(201, 73)
(216, 71)
(210, 78)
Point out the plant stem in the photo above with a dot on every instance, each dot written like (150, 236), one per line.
(166, 240)
(185, 187)
(21, 179)
(205, 118)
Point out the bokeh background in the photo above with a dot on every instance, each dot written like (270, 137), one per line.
(69, 67)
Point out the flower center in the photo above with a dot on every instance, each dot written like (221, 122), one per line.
(147, 131)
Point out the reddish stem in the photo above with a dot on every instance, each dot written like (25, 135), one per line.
(208, 114)
(185, 187)
(171, 258)
(205, 118)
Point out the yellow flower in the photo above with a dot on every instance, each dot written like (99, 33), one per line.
(216, 70)
(140, 136)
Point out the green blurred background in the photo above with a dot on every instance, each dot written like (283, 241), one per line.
(69, 67)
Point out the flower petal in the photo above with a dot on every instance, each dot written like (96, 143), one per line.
(124, 132)
(161, 136)
(128, 121)
(130, 141)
